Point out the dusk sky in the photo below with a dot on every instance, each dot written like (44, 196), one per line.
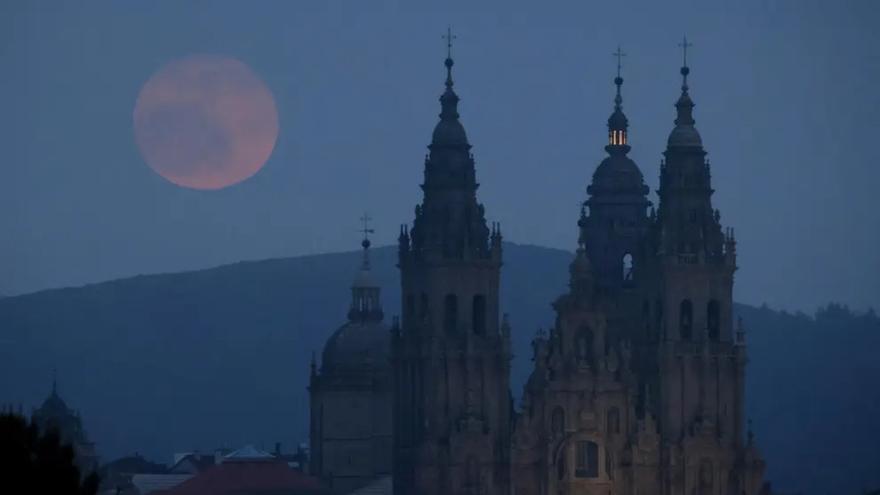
(786, 95)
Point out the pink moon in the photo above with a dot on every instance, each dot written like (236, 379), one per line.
(205, 122)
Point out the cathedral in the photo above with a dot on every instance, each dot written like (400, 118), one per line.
(637, 388)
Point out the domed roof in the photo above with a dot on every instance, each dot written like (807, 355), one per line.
(358, 345)
(449, 133)
(618, 120)
(618, 173)
(684, 134)
(54, 405)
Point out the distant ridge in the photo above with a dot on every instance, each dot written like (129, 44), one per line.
(220, 356)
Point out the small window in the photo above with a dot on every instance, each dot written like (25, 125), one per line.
(686, 319)
(587, 460)
(479, 314)
(450, 313)
(557, 422)
(627, 267)
(613, 421)
(584, 345)
(713, 320)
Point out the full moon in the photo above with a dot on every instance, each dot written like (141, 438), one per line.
(205, 122)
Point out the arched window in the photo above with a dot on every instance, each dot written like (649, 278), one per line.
(557, 422)
(713, 320)
(479, 314)
(613, 421)
(586, 460)
(627, 267)
(584, 345)
(686, 320)
(450, 313)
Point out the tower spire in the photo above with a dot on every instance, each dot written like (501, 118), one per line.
(617, 122)
(366, 230)
(685, 134)
(684, 63)
(449, 131)
(365, 304)
(449, 62)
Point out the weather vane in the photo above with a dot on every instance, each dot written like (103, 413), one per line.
(619, 54)
(449, 37)
(684, 48)
(366, 230)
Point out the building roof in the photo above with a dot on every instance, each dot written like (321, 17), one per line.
(357, 344)
(248, 453)
(157, 483)
(248, 477)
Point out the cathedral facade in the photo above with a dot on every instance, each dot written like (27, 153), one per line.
(637, 387)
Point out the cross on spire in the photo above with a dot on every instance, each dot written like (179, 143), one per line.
(619, 54)
(684, 48)
(449, 37)
(366, 230)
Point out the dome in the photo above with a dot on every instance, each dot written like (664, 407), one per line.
(449, 133)
(685, 135)
(618, 173)
(54, 405)
(358, 345)
(617, 120)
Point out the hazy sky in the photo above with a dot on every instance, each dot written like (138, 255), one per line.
(786, 92)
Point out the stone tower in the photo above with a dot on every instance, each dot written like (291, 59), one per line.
(617, 221)
(578, 429)
(350, 396)
(699, 397)
(451, 352)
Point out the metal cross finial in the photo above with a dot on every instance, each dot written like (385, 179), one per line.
(619, 54)
(366, 221)
(449, 37)
(684, 47)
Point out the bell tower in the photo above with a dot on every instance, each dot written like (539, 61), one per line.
(617, 221)
(451, 351)
(701, 361)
